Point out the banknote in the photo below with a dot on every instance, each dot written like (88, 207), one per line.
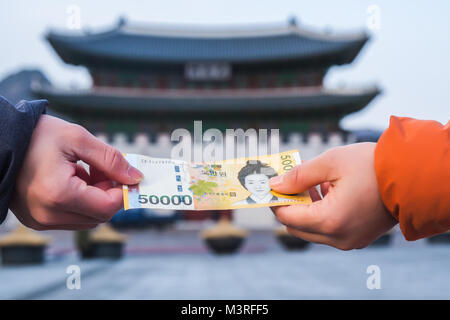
(219, 185)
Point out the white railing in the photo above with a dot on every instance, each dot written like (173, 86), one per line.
(309, 146)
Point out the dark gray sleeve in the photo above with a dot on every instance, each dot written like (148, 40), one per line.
(16, 127)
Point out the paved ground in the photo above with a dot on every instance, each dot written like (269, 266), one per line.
(176, 265)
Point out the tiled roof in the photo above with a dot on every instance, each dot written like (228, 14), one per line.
(140, 45)
(144, 101)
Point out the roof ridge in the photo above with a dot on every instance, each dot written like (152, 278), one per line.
(232, 30)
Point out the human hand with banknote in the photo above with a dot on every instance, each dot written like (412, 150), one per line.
(351, 214)
(53, 191)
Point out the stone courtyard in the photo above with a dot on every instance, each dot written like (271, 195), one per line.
(175, 264)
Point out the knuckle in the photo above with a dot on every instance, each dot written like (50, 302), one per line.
(316, 210)
(109, 209)
(42, 219)
(331, 157)
(333, 227)
(55, 198)
(329, 227)
(297, 174)
(48, 194)
(41, 223)
(333, 153)
(344, 246)
(111, 156)
(330, 154)
(49, 190)
(77, 133)
(281, 215)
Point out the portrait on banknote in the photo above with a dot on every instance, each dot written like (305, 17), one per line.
(254, 177)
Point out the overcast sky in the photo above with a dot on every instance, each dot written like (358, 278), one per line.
(408, 55)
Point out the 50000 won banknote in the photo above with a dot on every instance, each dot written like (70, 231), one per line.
(228, 184)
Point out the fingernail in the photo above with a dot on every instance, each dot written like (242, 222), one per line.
(275, 181)
(135, 174)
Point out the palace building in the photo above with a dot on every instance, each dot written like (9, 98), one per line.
(153, 79)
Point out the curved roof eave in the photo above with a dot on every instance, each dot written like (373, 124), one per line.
(80, 49)
(91, 101)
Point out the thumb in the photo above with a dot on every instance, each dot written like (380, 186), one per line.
(107, 159)
(303, 176)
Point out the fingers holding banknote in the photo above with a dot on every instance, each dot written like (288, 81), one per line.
(351, 214)
(53, 191)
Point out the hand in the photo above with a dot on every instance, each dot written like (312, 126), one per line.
(351, 215)
(53, 191)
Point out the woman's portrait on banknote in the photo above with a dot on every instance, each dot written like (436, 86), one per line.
(254, 177)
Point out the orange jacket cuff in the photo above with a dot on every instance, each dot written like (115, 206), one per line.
(412, 164)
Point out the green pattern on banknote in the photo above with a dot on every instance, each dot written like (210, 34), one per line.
(202, 187)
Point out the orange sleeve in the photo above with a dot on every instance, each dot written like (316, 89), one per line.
(412, 164)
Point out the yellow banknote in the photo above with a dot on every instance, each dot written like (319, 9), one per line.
(229, 184)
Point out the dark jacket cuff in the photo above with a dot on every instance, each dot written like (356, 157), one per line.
(16, 127)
